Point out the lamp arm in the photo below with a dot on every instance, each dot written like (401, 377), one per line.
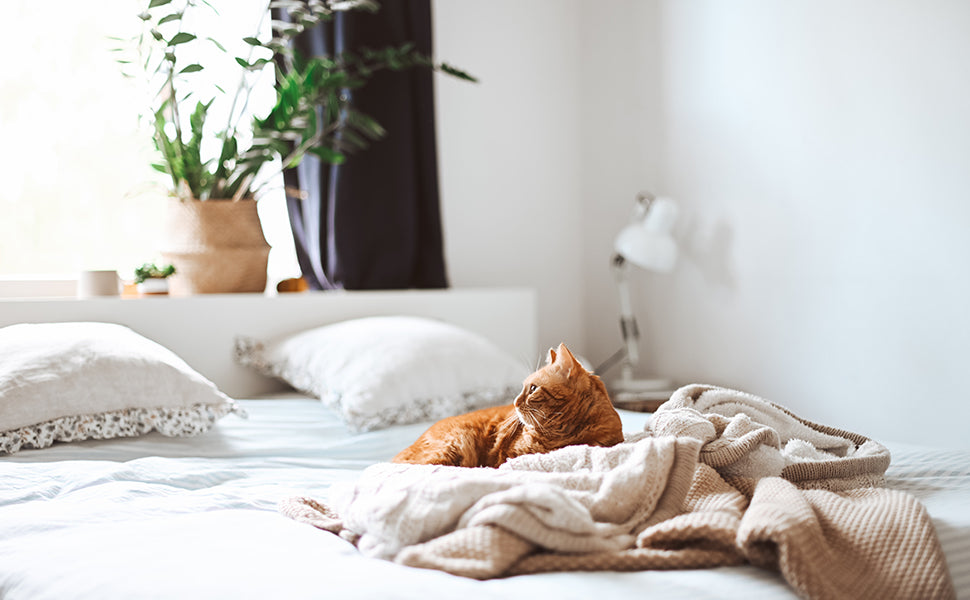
(629, 329)
(645, 242)
(628, 353)
(607, 364)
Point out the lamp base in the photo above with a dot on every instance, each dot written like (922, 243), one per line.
(640, 394)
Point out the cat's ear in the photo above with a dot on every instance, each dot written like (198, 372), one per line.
(568, 361)
(552, 356)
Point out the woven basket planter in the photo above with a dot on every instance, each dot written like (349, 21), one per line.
(217, 247)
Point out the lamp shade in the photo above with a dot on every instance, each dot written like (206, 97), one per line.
(647, 242)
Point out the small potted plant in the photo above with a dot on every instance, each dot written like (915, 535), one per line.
(151, 279)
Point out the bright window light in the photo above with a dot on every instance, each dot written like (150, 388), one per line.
(77, 191)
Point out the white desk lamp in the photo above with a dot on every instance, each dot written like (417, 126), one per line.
(647, 243)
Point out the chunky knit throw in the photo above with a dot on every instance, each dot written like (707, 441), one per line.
(720, 477)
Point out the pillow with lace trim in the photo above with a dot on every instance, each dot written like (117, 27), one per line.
(390, 370)
(64, 382)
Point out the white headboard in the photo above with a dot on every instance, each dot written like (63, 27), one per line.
(202, 329)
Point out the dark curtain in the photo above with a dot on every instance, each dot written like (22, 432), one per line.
(374, 222)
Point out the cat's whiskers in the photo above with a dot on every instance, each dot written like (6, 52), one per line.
(549, 423)
(526, 415)
(537, 418)
(515, 417)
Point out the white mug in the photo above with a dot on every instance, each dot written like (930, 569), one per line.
(91, 284)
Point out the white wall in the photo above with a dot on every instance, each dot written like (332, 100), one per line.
(820, 150)
(509, 153)
(620, 131)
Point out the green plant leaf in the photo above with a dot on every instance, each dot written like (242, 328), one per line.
(193, 68)
(285, 29)
(152, 271)
(327, 155)
(226, 157)
(209, 4)
(287, 4)
(456, 72)
(155, 3)
(365, 124)
(181, 38)
(217, 44)
(350, 139)
(368, 5)
(194, 170)
(252, 66)
(169, 149)
(252, 41)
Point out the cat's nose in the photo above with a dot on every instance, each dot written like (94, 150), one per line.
(518, 400)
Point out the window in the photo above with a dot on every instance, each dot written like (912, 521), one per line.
(77, 190)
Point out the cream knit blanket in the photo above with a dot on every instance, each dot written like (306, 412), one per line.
(719, 478)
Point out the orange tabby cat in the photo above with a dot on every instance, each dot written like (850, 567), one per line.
(561, 404)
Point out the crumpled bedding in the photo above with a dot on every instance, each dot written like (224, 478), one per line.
(719, 477)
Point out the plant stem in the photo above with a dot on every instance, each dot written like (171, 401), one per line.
(230, 125)
(173, 99)
(245, 90)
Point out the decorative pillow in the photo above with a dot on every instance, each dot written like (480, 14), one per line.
(382, 371)
(74, 381)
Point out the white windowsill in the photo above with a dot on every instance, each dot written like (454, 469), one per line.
(46, 286)
(25, 287)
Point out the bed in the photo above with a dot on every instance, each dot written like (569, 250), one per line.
(155, 516)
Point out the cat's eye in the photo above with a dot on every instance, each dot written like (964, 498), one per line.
(533, 388)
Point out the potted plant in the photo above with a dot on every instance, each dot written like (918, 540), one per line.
(218, 169)
(151, 279)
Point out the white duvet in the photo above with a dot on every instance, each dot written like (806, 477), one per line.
(157, 517)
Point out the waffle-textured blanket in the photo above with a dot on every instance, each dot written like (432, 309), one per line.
(720, 477)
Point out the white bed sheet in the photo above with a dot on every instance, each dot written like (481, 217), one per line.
(156, 517)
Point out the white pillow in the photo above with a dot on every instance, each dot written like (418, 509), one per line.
(74, 381)
(382, 371)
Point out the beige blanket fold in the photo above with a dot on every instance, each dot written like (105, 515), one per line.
(746, 438)
(720, 477)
